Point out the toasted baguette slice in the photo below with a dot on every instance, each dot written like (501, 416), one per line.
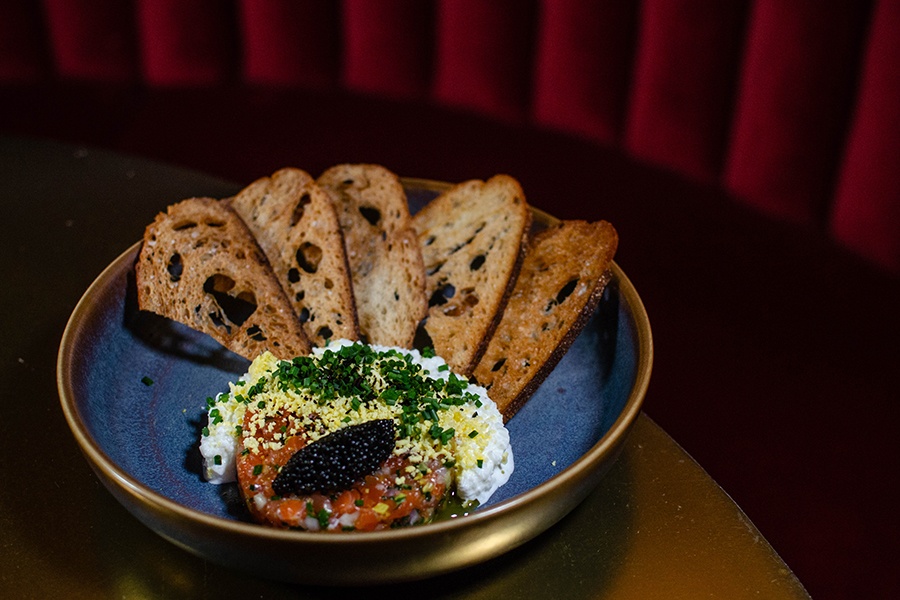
(297, 227)
(562, 279)
(200, 265)
(472, 238)
(382, 249)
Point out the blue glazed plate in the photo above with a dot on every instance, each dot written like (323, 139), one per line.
(133, 388)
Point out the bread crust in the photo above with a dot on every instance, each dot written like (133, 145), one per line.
(296, 225)
(472, 238)
(199, 265)
(565, 272)
(383, 252)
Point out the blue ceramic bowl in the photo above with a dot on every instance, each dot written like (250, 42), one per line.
(133, 389)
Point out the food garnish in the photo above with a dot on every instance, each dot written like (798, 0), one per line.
(355, 437)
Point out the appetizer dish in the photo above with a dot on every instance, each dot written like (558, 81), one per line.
(386, 349)
(355, 437)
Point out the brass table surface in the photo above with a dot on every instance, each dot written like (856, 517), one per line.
(657, 526)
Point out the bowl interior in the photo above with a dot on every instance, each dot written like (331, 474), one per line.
(140, 384)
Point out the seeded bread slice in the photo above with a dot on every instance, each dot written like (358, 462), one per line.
(472, 238)
(199, 265)
(562, 279)
(385, 260)
(297, 227)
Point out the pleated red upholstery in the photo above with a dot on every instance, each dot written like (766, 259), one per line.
(290, 43)
(867, 203)
(387, 47)
(793, 104)
(583, 66)
(92, 39)
(683, 80)
(483, 55)
(790, 107)
(186, 41)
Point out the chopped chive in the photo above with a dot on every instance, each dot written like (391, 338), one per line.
(217, 459)
(447, 435)
(257, 469)
(322, 517)
(146, 381)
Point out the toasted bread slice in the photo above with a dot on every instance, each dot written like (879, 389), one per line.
(199, 265)
(385, 260)
(562, 279)
(472, 238)
(297, 227)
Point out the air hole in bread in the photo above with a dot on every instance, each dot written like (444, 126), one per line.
(218, 321)
(300, 208)
(422, 339)
(443, 293)
(328, 283)
(469, 297)
(214, 223)
(218, 283)
(498, 365)
(477, 262)
(459, 247)
(563, 293)
(434, 269)
(182, 225)
(370, 214)
(309, 256)
(566, 290)
(466, 300)
(304, 315)
(256, 333)
(293, 275)
(428, 241)
(325, 332)
(175, 267)
(236, 309)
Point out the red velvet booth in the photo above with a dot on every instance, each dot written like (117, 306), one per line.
(746, 150)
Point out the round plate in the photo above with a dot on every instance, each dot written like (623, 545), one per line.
(133, 388)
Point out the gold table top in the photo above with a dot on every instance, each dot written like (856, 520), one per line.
(657, 526)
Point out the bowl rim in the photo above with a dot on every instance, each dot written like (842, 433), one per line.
(158, 503)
